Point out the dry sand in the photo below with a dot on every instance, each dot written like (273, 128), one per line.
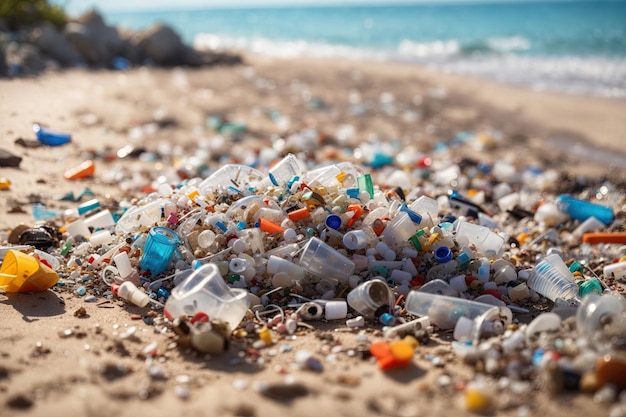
(93, 372)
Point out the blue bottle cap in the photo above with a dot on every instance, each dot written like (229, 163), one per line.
(443, 254)
(386, 319)
(333, 221)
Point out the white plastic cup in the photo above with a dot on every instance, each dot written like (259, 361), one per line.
(355, 239)
(369, 297)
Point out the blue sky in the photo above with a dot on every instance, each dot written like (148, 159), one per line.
(77, 6)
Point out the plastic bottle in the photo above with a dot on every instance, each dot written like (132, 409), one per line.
(369, 296)
(581, 210)
(445, 311)
(552, 279)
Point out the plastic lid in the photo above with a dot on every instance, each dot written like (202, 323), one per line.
(333, 221)
(443, 254)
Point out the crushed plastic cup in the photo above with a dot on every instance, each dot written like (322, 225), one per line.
(206, 291)
(20, 272)
(487, 242)
(284, 170)
(159, 250)
(324, 261)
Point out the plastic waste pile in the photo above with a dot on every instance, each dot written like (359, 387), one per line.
(470, 249)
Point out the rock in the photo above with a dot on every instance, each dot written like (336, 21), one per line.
(161, 44)
(24, 59)
(52, 43)
(97, 42)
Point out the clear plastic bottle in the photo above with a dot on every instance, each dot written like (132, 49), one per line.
(552, 279)
(445, 311)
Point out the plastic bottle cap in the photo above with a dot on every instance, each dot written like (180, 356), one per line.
(336, 310)
(333, 221)
(443, 254)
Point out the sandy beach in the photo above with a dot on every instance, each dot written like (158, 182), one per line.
(58, 362)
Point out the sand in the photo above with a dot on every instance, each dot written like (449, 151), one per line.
(55, 363)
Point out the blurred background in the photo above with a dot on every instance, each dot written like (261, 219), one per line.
(577, 47)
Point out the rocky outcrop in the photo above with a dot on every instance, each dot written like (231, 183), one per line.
(52, 43)
(88, 40)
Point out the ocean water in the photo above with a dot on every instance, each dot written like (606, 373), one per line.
(577, 47)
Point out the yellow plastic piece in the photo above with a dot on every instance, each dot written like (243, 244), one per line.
(401, 350)
(23, 273)
(411, 341)
(476, 401)
(266, 336)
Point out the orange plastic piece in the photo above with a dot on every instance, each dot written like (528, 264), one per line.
(269, 227)
(299, 214)
(391, 355)
(5, 184)
(84, 170)
(378, 227)
(604, 237)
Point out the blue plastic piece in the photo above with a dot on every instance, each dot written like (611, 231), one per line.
(40, 212)
(387, 319)
(273, 179)
(163, 293)
(333, 221)
(222, 226)
(121, 64)
(443, 254)
(50, 137)
(159, 249)
(581, 210)
(352, 192)
(379, 160)
(463, 260)
(88, 206)
(414, 216)
(291, 181)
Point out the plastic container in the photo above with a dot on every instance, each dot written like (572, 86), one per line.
(159, 250)
(323, 261)
(552, 279)
(369, 296)
(277, 265)
(444, 311)
(20, 272)
(398, 231)
(205, 291)
(487, 242)
(78, 228)
(101, 220)
(284, 170)
(581, 210)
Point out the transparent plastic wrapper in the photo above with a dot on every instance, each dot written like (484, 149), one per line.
(487, 242)
(205, 291)
(552, 279)
(445, 311)
(232, 175)
(323, 261)
(146, 215)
